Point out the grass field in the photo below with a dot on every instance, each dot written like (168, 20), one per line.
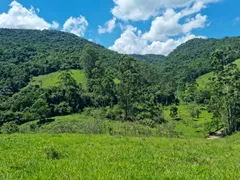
(50, 80)
(65, 156)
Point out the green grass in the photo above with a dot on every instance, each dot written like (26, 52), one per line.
(50, 80)
(188, 126)
(71, 156)
(202, 81)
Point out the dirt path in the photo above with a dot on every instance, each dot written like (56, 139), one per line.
(216, 135)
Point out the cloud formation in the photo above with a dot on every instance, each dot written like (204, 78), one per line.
(132, 42)
(137, 10)
(19, 17)
(76, 26)
(173, 23)
(108, 26)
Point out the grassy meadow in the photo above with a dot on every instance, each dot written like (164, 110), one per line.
(71, 156)
(50, 80)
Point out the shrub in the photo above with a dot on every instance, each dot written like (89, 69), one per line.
(147, 122)
(9, 128)
(52, 153)
(173, 111)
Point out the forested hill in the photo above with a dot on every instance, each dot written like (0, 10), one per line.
(151, 58)
(26, 53)
(192, 59)
(121, 87)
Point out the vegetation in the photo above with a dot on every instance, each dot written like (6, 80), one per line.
(51, 80)
(57, 74)
(54, 82)
(106, 157)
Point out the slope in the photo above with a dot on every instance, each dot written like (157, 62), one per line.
(27, 53)
(192, 59)
(151, 58)
(51, 79)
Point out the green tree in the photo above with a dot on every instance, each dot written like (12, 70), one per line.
(130, 87)
(71, 91)
(100, 82)
(41, 109)
(225, 100)
(63, 109)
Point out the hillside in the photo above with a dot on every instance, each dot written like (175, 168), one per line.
(48, 74)
(192, 59)
(27, 53)
(52, 79)
(151, 58)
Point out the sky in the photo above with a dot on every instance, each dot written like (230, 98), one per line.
(128, 26)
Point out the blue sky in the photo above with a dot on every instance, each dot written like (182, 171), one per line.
(128, 26)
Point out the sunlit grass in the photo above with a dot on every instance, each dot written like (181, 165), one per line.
(50, 80)
(65, 156)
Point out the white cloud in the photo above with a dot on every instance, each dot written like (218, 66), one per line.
(158, 47)
(194, 23)
(19, 17)
(129, 42)
(108, 26)
(197, 7)
(164, 26)
(168, 25)
(144, 9)
(132, 42)
(76, 26)
(55, 25)
(173, 23)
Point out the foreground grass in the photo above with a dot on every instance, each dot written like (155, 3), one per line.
(65, 156)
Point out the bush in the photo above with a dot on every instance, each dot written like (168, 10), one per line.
(173, 111)
(98, 113)
(113, 113)
(63, 109)
(52, 153)
(147, 122)
(9, 128)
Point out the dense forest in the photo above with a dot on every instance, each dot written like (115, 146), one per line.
(125, 88)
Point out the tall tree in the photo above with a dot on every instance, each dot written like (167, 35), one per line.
(129, 88)
(100, 82)
(226, 92)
